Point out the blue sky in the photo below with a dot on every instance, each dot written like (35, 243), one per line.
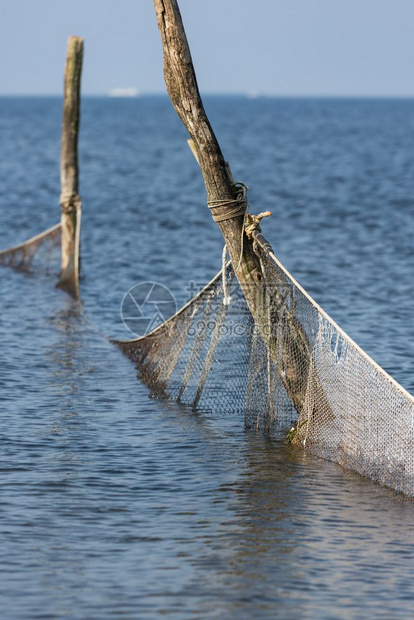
(276, 47)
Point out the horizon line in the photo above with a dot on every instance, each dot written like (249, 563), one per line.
(244, 94)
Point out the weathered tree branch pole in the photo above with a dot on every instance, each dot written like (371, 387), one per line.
(223, 197)
(71, 206)
(182, 87)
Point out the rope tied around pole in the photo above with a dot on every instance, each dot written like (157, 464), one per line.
(70, 205)
(251, 224)
(240, 204)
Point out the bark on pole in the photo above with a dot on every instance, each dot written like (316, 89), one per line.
(70, 202)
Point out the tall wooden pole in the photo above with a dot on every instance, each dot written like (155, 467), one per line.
(71, 206)
(182, 87)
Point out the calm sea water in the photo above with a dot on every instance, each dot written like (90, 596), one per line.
(115, 504)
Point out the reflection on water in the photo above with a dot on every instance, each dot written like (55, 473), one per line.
(113, 503)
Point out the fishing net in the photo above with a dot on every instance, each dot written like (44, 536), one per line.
(38, 254)
(296, 375)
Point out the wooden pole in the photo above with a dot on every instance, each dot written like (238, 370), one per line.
(182, 87)
(71, 206)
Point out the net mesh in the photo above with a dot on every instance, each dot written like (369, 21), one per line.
(38, 254)
(297, 376)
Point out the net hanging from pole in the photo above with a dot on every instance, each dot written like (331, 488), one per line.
(38, 254)
(299, 374)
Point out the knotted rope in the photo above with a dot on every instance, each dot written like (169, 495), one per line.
(239, 202)
(240, 207)
(252, 222)
(70, 204)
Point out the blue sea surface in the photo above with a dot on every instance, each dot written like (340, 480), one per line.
(113, 503)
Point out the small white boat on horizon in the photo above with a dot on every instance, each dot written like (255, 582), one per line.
(131, 91)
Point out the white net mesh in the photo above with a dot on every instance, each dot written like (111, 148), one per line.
(300, 370)
(39, 254)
